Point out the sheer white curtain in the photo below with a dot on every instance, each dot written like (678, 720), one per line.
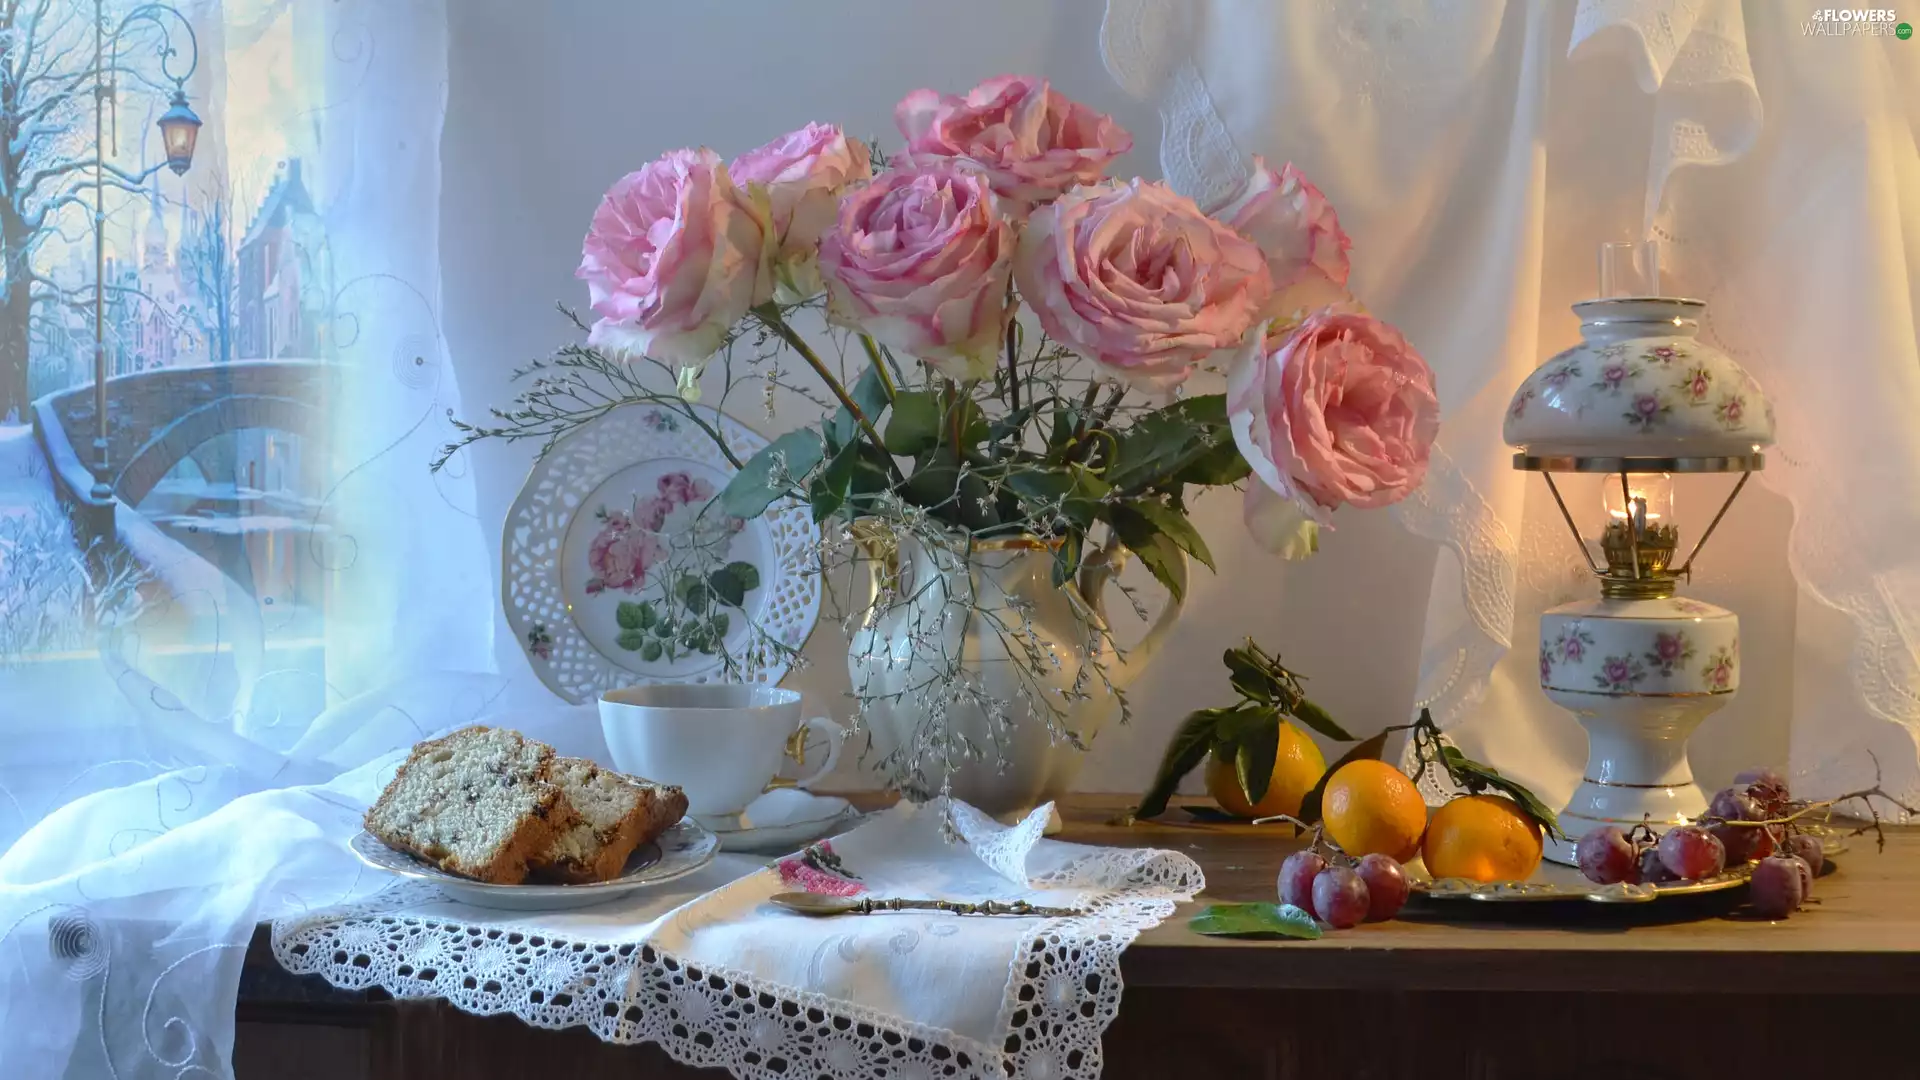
(1478, 153)
(310, 596)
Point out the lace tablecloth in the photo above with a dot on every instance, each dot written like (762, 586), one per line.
(717, 976)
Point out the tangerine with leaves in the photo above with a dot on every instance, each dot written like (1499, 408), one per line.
(1482, 838)
(1297, 766)
(1370, 807)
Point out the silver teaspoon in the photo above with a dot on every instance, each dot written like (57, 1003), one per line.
(817, 904)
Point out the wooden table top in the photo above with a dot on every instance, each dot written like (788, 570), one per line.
(1863, 934)
(1861, 937)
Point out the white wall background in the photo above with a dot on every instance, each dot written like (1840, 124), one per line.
(546, 109)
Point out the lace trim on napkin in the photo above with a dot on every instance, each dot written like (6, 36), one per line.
(707, 1016)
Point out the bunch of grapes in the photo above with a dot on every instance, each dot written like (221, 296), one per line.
(1343, 892)
(1785, 859)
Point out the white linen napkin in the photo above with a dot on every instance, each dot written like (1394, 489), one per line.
(727, 978)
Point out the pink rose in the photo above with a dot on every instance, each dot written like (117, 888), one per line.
(804, 173)
(680, 488)
(651, 513)
(620, 555)
(1137, 279)
(1032, 143)
(920, 259)
(675, 256)
(1339, 410)
(1296, 229)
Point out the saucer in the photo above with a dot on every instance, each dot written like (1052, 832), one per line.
(781, 821)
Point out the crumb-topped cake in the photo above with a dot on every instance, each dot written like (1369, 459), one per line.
(480, 803)
(617, 813)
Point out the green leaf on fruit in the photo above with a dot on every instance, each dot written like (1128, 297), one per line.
(1253, 759)
(1316, 718)
(1477, 778)
(1188, 747)
(1251, 678)
(1254, 920)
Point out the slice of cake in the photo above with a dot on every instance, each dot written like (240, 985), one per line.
(617, 814)
(480, 803)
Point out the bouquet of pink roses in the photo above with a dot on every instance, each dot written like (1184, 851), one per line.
(998, 206)
(1009, 334)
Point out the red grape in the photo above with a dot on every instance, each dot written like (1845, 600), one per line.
(1652, 870)
(1807, 848)
(1765, 841)
(1296, 879)
(1742, 842)
(1738, 843)
(1768, 788)
(1606, 856)
(1340, 897)
(1386, 885)
(1777, 888)
(1692, 852)
(1734, 804)
(1806, 875)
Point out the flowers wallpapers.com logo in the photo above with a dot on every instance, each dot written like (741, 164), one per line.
(1856, 22)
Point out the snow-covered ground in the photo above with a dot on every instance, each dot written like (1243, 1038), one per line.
(53, 699)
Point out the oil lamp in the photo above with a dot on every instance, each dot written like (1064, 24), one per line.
(1643, 400)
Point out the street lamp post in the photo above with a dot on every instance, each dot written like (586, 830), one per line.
(179, 130)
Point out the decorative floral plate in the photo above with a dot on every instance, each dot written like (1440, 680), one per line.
(619, 568)
(680, 851)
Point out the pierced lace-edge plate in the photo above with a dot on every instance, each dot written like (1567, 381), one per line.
(679, 851)
(588, 543)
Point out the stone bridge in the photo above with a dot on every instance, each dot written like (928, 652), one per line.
(157, 418)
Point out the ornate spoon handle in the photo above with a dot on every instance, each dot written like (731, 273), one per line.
(869, 905)
(817, 904)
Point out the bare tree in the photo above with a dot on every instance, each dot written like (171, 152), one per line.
(49, 73)
(209, 273)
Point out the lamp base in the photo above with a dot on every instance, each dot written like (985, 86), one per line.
(1640, 676)
(1637, 766)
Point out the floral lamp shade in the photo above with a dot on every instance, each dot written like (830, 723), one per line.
(1640, 384)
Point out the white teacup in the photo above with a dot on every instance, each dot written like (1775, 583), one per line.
(722, 743)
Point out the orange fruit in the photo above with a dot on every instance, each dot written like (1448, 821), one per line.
(1297, 766)
(1482, 838)
(1371, 807)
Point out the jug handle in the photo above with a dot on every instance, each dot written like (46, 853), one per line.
(880, 551)
(1103, 566)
